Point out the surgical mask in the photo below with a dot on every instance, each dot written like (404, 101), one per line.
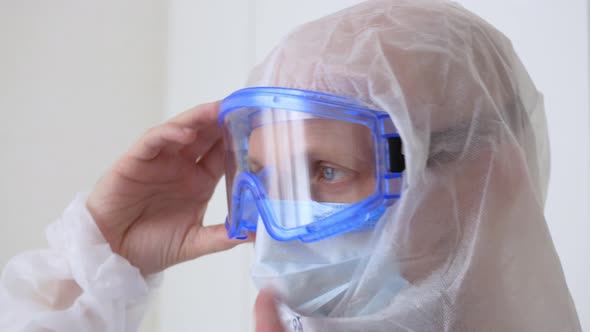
(311, 278)
(308, 212)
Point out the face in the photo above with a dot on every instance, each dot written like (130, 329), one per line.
(323, 160)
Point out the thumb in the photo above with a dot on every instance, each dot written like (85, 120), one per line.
(267, 316)
(205, 240)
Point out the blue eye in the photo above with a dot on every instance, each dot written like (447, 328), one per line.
(332, 174)
(329, 173)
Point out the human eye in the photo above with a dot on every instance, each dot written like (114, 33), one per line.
(329, 173)
(337, 184)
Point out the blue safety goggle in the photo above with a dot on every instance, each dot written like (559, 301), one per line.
(307, 165)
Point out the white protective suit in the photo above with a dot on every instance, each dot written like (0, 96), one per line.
(468, 235)
(77, 284)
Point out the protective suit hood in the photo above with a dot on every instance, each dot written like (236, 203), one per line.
(469, 234)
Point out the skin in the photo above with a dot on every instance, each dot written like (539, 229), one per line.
(150, 205)
(336, 159)
(265, 311)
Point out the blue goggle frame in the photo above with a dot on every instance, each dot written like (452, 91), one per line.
(390, 164)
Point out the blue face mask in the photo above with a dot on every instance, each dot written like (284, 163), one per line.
(311, 278)
(311, 211)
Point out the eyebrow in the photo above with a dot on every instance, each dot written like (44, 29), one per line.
(352, 162)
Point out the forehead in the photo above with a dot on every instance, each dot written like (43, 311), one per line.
(315, 137)
(321, 132)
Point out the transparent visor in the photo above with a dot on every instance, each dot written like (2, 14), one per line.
(294, 168)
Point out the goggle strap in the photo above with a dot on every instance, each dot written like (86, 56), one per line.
(397, 161)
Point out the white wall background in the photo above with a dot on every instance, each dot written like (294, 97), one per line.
(79, 80)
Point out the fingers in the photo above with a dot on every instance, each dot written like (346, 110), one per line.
(267, 316)
(201, 241)
(184, 129)
(203, 118)
(157, 138)
(205, 139)
(198, 117)
(208, 172)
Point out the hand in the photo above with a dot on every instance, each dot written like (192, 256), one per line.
(150, 205)
(267, 316)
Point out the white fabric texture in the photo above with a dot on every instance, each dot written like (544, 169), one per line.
(77, 284)
(321, 271)
(469, 234)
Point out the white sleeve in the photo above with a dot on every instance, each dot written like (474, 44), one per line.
(77, 284)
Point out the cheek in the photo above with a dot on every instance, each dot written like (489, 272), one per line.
(364, 188)
(369, 186)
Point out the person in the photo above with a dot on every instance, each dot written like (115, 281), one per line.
(413, 124)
